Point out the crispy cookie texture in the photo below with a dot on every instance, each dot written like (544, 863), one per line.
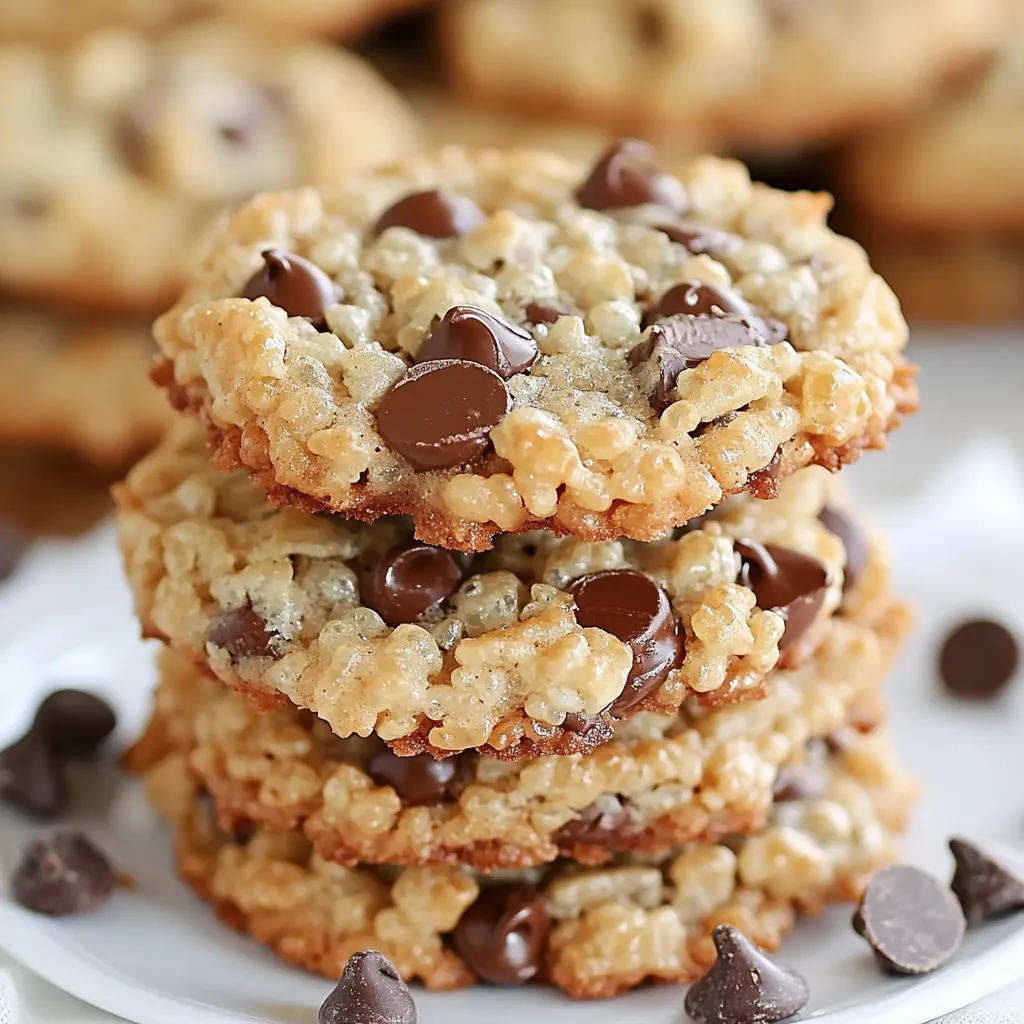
(765, 74)
(593, 932)
(79, 387)
(674, 338)
(117, 149)
(539, 646)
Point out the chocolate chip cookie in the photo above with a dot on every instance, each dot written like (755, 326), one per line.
(503, 340)
(78, 386)
(115, 151)
(763, 74)
(591, 931)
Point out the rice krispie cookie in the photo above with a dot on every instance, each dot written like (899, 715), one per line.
(773, 74)
(78, 386)
(539, 645)
(662, 781)
(495, 341)
(115, 151)
(592, 931)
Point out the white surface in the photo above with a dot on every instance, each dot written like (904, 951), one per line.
(156, 956)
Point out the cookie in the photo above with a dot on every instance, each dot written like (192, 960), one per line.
(591, 931)
(498, 341)
(116, 151)
(78, 386)
(697, 776)
(769, 74)
(539, 645)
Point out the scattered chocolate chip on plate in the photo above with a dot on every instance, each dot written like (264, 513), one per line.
(978, 659)
(986, 888)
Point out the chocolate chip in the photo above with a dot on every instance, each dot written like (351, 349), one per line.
(985, 888)
(264, 108)
(535, 313)
(695, 299)
(295, 285)
(503, 935)
(32, 778)
(978, 659)
(912, 921)
(855, 543)
(418, 781)
(441, 414)
(63, 875)
(744, 986)
(434, 214)
(763, 483)
(603, 823)
(632, 607)
(650, 26)
(472, 334)
(74, 723)
(243, 634)
(30, 207)
(408, 581)
(699, 239)
(625, 175)
(784, 581)
(13, 545)
(370, 992)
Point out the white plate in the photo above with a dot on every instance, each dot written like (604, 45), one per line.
(155, 955)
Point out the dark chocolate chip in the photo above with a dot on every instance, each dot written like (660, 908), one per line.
(418, 781)
(503, 935)
(912, 921)
(441, 414)
(744, 986)
(408, 581)
(978, 659)
(536, 313)
(295, 285)
(63, 875)
(243, 634)
(74, 723)
(434, 214)
(695, 299)
(13, 545)
(763, 483)
(603, 823)
(855, 543)
(625, 175)
(807, 780)
(472, 334)
(985, 888)
(32, 778)
(632, 607)
(784, 581)
(370, 992)
(699, 239)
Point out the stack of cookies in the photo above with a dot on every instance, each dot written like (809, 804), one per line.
(512, 624)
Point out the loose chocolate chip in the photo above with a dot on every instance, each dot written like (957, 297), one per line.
(503, 935)
(912, 921)
(632, 607)
(434, 214)
(32, 778)
(784, 581)
(625, 175)
(978, 659)
(472, 334)
(441, 414)
(295, 285)
(985, 888)
(693, 298)
(370, 992)
(744, 986)
(74, 722)
(243, 634)
(855, 542)
(603, 823)
(699, 239)
(418, 781)
(13, 545)
(807, 780)
(535, 313)
(63, 875)
(408, 581)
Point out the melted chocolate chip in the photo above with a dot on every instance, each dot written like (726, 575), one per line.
(625, 176)
(912, 921)
(699, 239)
(807, 780)
(441, 414)
(604, 823)
(472, 334)
(784, 581)
(32, 778)
(62, 876)
(418, 781)
(694, 299)
(632, 607)
(408, 581)
(370, 991)
(744, 986)
(855, 542)
(763, 483)
(75, 723)
(978, 659)
(535, 313)
(434, 214)
(243, 634)
(503, 935)
(295, 285)
(985, 888)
